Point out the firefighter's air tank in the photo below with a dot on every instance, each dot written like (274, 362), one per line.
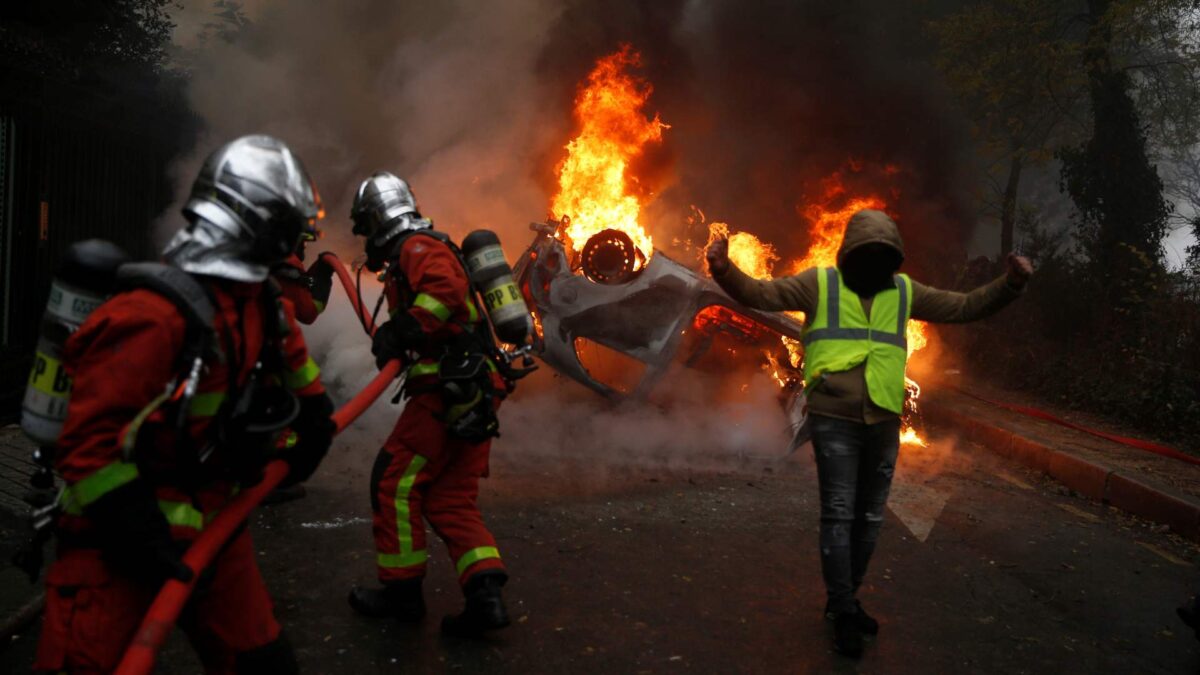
(492, 274)
(84, 279)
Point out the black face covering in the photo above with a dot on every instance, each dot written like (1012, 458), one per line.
(869, 268)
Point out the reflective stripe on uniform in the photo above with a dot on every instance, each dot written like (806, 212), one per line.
(432, 305)
(472, 310)
(407, 557)
(420, 369)
(206, 404)
(401, 559)
(183, 514)
(475, 555)
(302, 376)
(101, 482)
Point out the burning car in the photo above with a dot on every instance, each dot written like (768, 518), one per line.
(616, 322)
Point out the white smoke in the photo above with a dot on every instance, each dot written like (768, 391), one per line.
(454, 97)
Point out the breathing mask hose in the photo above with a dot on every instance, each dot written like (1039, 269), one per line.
(164, 612)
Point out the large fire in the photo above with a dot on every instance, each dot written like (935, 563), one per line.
(597, 193)
(827, 218)
(594, 183)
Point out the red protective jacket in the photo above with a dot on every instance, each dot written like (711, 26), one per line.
(122, 359)
(427, 280)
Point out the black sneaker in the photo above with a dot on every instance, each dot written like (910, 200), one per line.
(866, 623)
(402, 600)
(484, 608)
(847, 636)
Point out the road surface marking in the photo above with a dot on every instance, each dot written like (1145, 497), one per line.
(1009, 478)
(917, 506)
(1163, 554)
(1079, 512)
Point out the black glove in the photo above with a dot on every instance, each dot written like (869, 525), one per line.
(136, 539)
(315, 428)
(396, 337)
(320, 279)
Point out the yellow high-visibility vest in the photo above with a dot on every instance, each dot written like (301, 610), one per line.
(842, 336)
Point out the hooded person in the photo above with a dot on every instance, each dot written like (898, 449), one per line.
(856, 350)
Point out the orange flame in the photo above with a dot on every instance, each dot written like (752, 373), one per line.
(593, 179)
(751, 254)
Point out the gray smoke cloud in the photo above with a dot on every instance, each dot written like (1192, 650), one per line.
(471, 103)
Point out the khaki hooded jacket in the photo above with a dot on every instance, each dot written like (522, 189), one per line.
(844, 395)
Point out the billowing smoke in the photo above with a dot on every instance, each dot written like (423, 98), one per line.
(471, 103)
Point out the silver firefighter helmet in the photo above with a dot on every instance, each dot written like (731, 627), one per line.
(250, 204)
(384, 207)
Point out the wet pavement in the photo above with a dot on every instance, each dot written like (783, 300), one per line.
(982, 568)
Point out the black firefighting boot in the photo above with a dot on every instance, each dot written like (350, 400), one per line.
(866, 623)
(402, 600)
(484, 609)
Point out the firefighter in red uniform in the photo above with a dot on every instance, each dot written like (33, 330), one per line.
(429, 468)
(156, 441)
(308, 290)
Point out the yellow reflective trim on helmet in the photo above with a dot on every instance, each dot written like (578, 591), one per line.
(475, 555)
(302, 376)
(432, 305)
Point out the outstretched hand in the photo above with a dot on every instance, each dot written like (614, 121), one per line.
(1019, 270)
(718, 257)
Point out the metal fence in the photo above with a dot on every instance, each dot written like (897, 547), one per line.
(74, 164)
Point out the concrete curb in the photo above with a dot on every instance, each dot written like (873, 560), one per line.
(1118, 488)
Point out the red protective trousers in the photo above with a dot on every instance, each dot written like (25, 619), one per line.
(92, 612)
(422, 474)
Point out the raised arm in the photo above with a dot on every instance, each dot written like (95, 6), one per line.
(794, 293)
(938, 306)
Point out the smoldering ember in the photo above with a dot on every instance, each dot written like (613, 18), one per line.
(608, 337)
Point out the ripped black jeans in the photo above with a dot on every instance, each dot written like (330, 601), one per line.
(855, 462)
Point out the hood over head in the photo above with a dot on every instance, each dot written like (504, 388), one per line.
(871, 252)
(870, 227)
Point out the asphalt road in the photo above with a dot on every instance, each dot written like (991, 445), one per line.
(982, 568)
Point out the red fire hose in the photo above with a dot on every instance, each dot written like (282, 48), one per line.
(1138, 443)
(161, 617)
(351, 289)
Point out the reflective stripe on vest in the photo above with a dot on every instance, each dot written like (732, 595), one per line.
(842, 336)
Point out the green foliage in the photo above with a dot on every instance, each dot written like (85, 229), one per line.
(93, 34)
(1013, 66)
(1067, 350)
